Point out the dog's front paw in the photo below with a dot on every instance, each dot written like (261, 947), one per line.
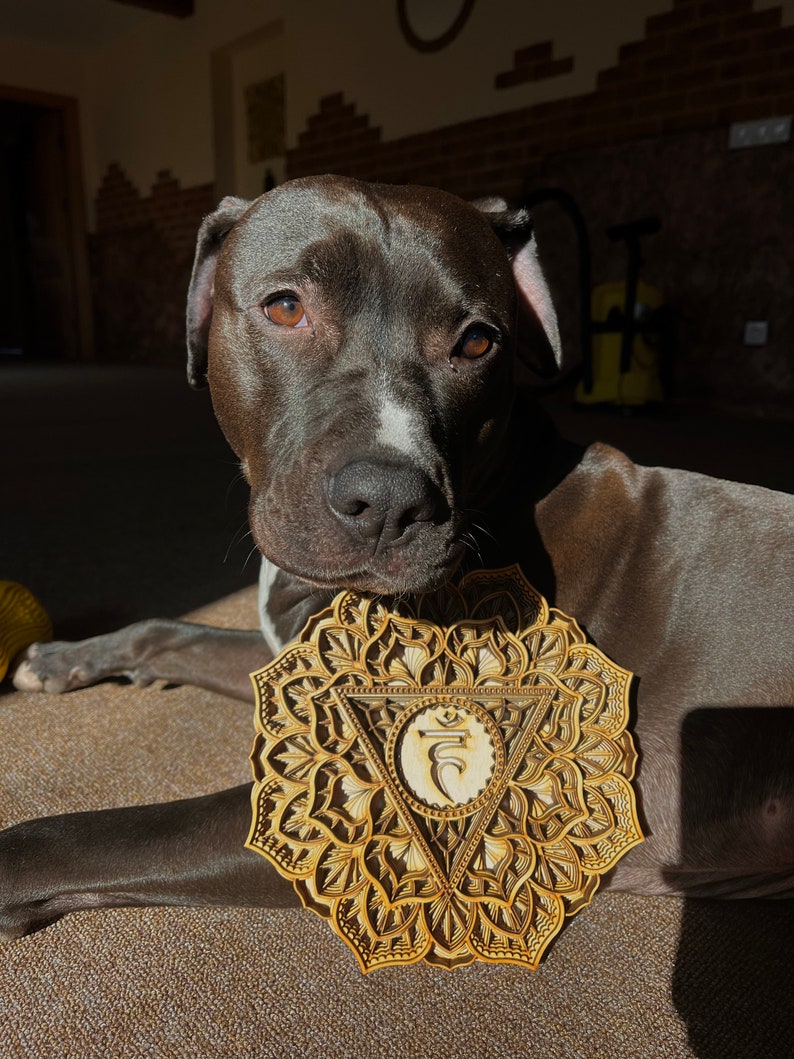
(54, 667)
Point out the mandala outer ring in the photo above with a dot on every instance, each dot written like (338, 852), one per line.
(493, 879)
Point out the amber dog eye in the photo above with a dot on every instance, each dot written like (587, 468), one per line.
(475, 343)
(286, 311)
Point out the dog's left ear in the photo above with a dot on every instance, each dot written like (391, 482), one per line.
(214, 229)
(538, 333)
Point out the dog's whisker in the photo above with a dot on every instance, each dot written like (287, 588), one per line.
(253, 551)
(238, 477)
(238, 537)
(482, 529)
(472, 561)
(469, 540)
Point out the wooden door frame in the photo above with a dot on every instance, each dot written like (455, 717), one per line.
(75, 203)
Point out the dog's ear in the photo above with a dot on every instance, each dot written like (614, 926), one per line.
(214, 229)
(538, 334)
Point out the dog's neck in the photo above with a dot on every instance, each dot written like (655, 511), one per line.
(536, 461)
(537, 457)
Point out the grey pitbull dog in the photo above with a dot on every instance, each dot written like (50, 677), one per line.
(359, 342)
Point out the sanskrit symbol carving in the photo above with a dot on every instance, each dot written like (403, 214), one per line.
(445, 781)
(443, 753)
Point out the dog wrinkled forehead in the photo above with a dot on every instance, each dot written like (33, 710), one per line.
(319, 225)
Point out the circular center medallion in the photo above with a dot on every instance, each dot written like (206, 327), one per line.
(444, 754)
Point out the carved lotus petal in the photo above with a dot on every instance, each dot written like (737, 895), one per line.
(339, 803)
(446, 780)
(397, 866)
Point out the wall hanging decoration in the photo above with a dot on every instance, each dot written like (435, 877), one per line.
(430, 25)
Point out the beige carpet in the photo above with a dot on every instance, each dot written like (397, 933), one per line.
(239, 983)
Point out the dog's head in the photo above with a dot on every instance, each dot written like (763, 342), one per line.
(358, 342)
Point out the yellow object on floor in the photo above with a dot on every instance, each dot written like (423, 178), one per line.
(641, 383)
(23, 621)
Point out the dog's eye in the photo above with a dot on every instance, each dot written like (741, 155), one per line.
(286, 311)
(476, 342)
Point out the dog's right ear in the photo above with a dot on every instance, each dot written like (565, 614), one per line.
(538, 334)
(214, 229)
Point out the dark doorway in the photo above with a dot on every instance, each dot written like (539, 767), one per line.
(44, 310)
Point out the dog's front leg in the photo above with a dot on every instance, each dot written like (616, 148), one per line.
(158, 649)
(188, 852)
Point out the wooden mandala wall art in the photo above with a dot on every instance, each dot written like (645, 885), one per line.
(445, 781)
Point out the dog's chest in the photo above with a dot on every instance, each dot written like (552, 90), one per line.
(285, 605)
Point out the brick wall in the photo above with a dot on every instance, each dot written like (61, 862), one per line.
(703, 64)
(536, 62)
(141, 255)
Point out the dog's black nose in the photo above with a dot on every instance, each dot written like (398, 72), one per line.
(377, 499)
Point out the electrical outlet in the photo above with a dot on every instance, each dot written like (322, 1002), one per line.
(758, 133)
(756, 332)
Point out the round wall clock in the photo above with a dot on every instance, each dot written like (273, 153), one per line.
(430, 25)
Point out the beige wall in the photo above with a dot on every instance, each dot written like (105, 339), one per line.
(254, 59)
(154, 103)
(146, 95)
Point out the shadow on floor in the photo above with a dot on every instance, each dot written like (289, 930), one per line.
(737, 949)
(121, 498)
